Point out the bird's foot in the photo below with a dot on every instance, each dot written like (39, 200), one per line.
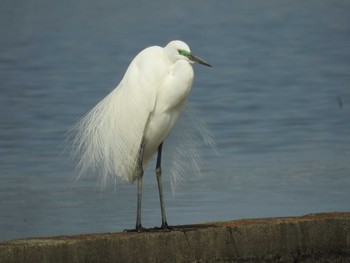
(138, 229)
(163, 228)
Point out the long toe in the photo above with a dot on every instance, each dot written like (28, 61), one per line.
(166, 227)
(138, 229)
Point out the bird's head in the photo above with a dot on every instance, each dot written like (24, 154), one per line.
(178, 50)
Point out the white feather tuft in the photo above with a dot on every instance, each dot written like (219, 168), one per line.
(104, 147)
(182, 148)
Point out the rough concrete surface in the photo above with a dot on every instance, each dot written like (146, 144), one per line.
(311, 238)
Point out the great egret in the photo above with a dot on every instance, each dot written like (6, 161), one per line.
(121, 133)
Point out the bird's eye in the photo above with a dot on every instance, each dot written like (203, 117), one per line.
(183, 52)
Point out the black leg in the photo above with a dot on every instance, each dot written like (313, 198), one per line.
(160, 187)
(139, 188)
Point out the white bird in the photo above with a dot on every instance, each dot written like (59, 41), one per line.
(119, 136)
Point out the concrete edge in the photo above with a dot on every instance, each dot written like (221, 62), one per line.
(324, 236)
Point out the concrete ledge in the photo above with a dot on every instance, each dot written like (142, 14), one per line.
(311, 238)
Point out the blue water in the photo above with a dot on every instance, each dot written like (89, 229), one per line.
(277, 102)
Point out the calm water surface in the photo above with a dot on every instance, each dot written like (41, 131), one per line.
(277, 102)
